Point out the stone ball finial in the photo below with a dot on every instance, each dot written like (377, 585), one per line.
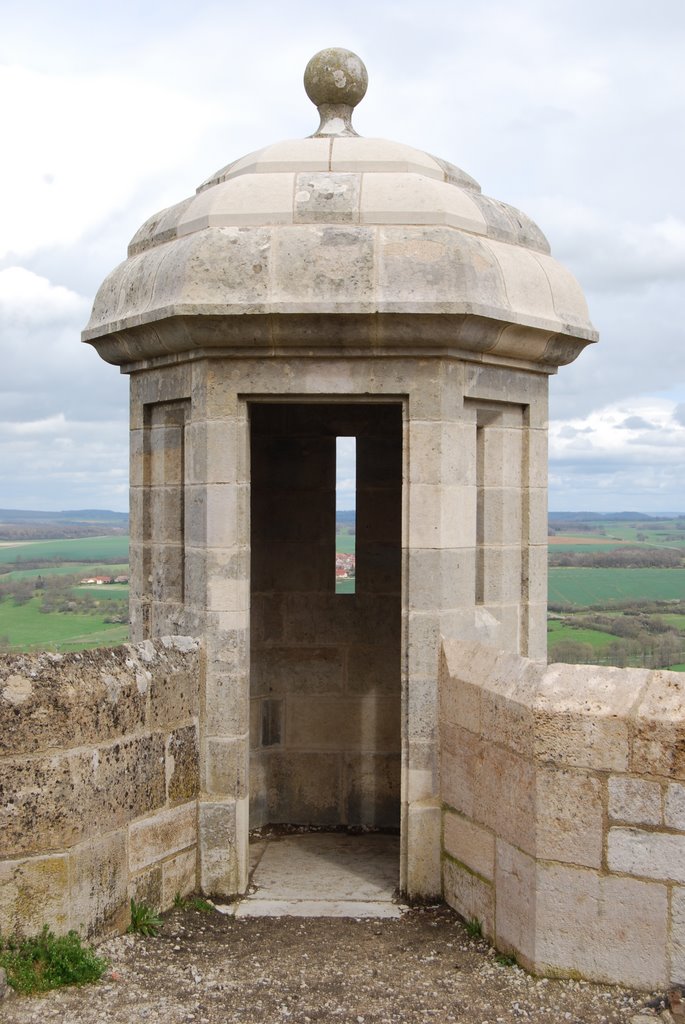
(335, 81)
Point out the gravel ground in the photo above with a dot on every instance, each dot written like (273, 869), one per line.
(211, 969)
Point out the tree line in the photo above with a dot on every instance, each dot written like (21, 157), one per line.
(619, 558)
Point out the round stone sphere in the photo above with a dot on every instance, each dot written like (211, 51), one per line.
(336, 76)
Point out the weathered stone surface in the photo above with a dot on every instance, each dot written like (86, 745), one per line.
(179, 876)
(372, 786)
(589, 923)
(677, 933)
(674, 807)
(467, 842)
(98, 892)
(470, 895)
(658, 734)
(647, 854)
(569, 817)
(635, 801)
(182, 764)
(49, 702)
(161, 835)
(220, 872)
(34, 892)
(515, 895)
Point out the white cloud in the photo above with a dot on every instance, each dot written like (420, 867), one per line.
(570, 113)
(82, 146)
(631, 452)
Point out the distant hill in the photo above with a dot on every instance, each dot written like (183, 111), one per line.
(20, 524)
(81, 515)
(604, 517)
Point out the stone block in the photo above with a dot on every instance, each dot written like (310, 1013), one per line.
(674, 806)
(425, 511)
(502, 574)
(423, 825)
(182, 764)
(422, 709)
(227, 702)
(179, 876)
(98, 894)
(303, 788)
(50, 801)
(341, 266)
(227, 510)
(326, 198)
(635, 801)
(34, 892)
(423, 645)
(225, 594)
(147, 887)
(174, 690)
(515, 884)
(677, 965)
(440, 579)
(162, 835)
(470, 844)
(460, 768)
(569, 817)
(310, 670)
(604, 928)
(658, 738)
(221, 871)
(51, 701)
(581, 715)
(227, 767)
(372, 789)
(509, 809)
(470, 895)
(373, 668)
(369, 723)
(649, 854)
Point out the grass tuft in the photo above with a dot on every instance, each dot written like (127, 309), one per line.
(474, 928)
(144, 920)
(46, 961)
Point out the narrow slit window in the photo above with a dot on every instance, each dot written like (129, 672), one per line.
(345, 514)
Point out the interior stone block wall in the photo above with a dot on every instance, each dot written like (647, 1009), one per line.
(563, 795)
(99, 756)
(325, 674)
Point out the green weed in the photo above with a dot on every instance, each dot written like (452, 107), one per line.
(144, 920)
(46, 961)
(193, 903)
(504, 960)
(474, 929)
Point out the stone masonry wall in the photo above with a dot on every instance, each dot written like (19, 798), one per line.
(98, 784)
(563, 794)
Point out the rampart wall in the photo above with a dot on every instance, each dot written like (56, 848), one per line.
(98, 784)
(563, 793)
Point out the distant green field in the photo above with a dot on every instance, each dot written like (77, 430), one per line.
(104, 592)
(105, 549)
(580, 586)
(345, 543)
(345, 586)
(70, 569)
(594, 549)
(26, 628)
(556, 631)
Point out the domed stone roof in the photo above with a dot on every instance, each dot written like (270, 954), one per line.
(363, 230)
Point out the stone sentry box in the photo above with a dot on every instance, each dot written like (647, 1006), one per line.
(318, 287)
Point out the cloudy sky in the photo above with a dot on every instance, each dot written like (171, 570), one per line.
(573, 110)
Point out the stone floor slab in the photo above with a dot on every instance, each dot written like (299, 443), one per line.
(322, 874)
